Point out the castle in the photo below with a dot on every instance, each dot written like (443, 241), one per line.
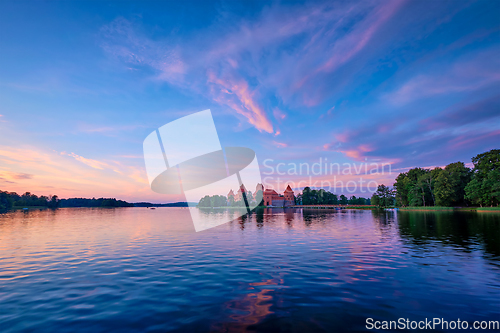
(270, 197)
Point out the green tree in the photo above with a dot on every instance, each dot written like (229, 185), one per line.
(473, 191)
(205, 202)
(53, 202)
(5, 202)
(259, 196)
(408, 190)
(491, 187)
(401, 188)
(414, 189)
(343, 200)
(450, 184)
(485, 184)
(486, 162)
(383, 197)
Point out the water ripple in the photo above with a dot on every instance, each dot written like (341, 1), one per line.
(136, 270)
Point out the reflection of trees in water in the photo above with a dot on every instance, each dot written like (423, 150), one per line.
(464, 230)
(384, 220)
(241, 220)
(259, 217)
(259, 214)
(315, 216)
(212, 211)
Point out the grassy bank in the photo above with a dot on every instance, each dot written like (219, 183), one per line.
(452, 209)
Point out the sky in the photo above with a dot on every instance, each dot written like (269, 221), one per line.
(358, 83)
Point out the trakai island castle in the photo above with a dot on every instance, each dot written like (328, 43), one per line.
(270, 197)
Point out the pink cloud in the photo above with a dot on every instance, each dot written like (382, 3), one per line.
(357, 153)
(355, 42)
(90, 162)
(280, 144)
(252, 52)
(69, 175)
(347, 47)
(237, 95)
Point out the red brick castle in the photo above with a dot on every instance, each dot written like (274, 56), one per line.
(270, 197)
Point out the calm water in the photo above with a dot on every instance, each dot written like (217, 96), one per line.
(136, 269)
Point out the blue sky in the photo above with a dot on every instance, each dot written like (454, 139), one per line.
(410, 83)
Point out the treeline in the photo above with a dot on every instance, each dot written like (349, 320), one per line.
(173, 204)
(453, 185)
(211, 201)
(101, 202)
(8, 200)
(322, 197)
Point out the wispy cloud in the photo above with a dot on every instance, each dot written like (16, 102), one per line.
(87, 161)
(280, 144)
(461, 76)
(237, 95)
(241, 66)
(68, 175)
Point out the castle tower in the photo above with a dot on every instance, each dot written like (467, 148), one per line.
(289, 196)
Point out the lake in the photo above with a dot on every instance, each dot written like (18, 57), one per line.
(293, 270)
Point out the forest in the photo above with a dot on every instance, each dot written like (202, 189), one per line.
(455, 185)
(323, 197)
(10, 200)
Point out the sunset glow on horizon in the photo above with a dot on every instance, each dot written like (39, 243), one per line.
(359, 83)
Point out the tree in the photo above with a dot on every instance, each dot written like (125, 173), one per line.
(323, 197)
(383, 197)
(259, 198)
(450, 184)
(486, 162)
(205, 202)
(53, 202)
(485, 184)
(401, 187)
(416, 193)
(218, 201)
(250, 198)
(410, 189)
(492, 186)
(343, 199)
(473, 192)
(5, 202)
